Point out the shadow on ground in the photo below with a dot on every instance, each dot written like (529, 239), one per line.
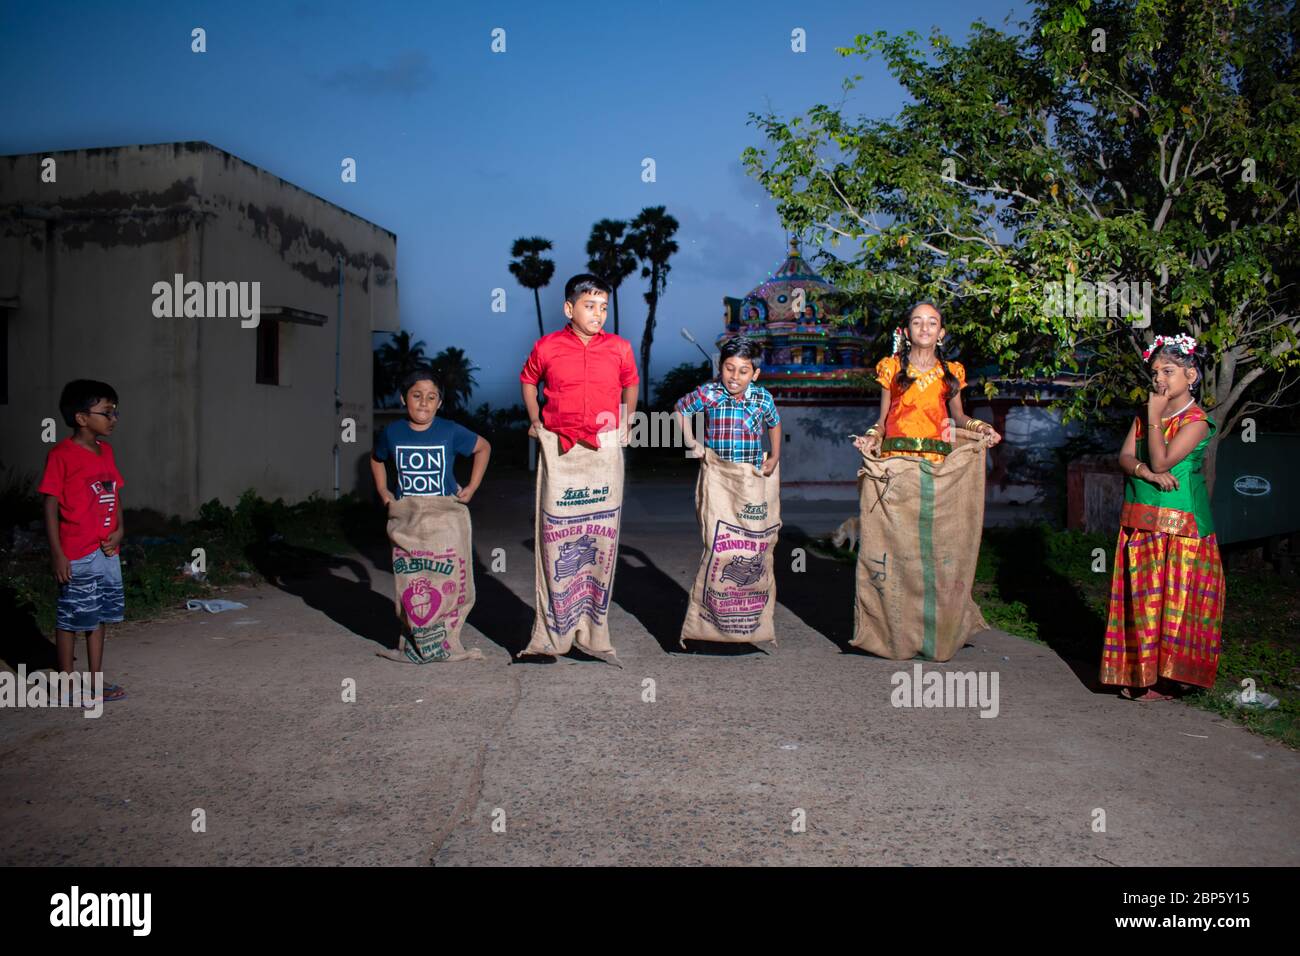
(21, 640)
(651, 596)
(498, 613)
(308, 574)
(1065, 621)
(822, 594)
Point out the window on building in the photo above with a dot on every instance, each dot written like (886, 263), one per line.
(268, 352)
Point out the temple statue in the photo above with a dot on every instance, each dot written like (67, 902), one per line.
(813, 341)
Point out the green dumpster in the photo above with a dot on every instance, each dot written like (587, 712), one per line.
(1254, 488)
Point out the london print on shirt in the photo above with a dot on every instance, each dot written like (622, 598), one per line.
(420, 469)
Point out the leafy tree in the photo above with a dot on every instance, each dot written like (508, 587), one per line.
(532, 271)
(1106, 142)
(456, 373)
(394, 359)
(651, 241)
(611, 259)
(381, 381)
(680, 380)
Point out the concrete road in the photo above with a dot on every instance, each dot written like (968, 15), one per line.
(241, 716)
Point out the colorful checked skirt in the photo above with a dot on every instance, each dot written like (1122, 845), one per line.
(1166, 608)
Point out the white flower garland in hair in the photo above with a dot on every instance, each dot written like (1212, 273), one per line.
(1180, 343)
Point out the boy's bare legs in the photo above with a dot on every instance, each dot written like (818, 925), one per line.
(95, 650)
(65, 643)
(65, 652)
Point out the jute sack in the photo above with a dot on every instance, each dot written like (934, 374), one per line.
(433, 570)
(734, 594)
(920, 527)
(579, 506)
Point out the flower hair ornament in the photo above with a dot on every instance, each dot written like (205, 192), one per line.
(900, 337)
(1182, 342)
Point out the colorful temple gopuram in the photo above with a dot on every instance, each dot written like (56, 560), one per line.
(817, 366)
(813, 353)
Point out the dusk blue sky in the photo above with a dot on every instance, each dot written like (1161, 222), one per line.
(460, 151)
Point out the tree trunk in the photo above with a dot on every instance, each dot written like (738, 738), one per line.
(537, 300)
(648, 337)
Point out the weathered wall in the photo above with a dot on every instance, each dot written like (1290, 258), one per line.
(818, 460)
(81, 256)
(280, 439)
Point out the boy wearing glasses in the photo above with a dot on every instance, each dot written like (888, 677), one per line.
(83, 519)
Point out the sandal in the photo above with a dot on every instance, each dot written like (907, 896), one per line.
(1151, 695)
(113, 692)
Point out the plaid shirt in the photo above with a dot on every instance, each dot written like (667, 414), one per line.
(733, 427)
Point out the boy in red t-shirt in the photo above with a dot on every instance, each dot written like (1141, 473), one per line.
(83, 519)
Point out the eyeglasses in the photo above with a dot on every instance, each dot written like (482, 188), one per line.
(113, 414)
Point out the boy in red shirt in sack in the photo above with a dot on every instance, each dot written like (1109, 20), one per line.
(591, 384)
(83, 520)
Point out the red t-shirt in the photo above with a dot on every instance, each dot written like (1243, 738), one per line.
(86, 485)
(583, 383)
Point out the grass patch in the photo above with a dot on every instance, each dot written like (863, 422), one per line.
(241, 543)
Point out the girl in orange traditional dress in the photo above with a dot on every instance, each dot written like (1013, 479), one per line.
(922, 394)
(1167, 591)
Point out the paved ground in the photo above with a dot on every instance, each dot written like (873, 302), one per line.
(241, 715)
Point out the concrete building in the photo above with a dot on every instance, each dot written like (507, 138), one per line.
(98, 250)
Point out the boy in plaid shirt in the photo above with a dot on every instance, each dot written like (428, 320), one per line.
(736, 409)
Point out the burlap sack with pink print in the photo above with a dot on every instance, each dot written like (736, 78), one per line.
(433, 571)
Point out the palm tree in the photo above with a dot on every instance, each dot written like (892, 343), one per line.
(381, 380)
(532, 271)
(651, 240)
(456, 373)
(611, 259)
(396, 358)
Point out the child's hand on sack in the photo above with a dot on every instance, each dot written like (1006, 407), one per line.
(387, 499)
(463, 495)
(532, 428)
(867, 444)
(769, 466)
(992, 437)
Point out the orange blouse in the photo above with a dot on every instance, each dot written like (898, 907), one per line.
(920, 410)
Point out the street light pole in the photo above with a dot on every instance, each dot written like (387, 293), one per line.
(686, 334)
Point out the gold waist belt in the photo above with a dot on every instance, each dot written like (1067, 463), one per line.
(933, 445)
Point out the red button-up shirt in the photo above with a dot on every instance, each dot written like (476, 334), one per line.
(584, 383)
